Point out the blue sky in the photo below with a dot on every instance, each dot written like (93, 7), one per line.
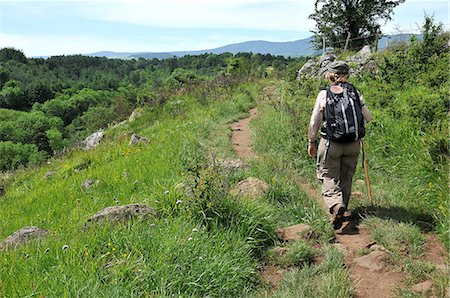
(72, 27)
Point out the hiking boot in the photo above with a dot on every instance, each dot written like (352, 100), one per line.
(338, 216)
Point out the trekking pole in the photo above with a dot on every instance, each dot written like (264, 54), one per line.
(366, 170)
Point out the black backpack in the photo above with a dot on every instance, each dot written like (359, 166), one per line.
(344, 121)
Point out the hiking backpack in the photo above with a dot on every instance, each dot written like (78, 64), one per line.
(344, 121)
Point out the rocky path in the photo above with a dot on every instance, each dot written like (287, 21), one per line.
(370, 273)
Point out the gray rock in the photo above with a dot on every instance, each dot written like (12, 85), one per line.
(136, 114)
(23, 236)
(250, 188)
(93, 140)
(89, 183)
(307, 68)
(326, 59)
(122, 213)
(232, 164)
(370, 67)
(49, 174)
(362, 57)
(138, 140)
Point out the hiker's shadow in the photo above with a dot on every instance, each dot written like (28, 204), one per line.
(422, 220)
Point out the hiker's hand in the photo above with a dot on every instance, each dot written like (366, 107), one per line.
(311, 150)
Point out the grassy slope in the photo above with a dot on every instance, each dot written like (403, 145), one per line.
(128, 259)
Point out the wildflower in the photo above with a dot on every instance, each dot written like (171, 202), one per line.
(166, 192)
(114, 249)
(190, 238)
(179, 202)
(125, 255)
(65, 247)
(86, 253)
(109, 244)
(194, 230)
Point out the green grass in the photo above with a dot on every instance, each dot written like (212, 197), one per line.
(175, 253)
(329, 279)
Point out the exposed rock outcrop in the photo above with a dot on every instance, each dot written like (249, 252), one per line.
(23, 236)
(93, 140)
(360, 62)
(122, 213)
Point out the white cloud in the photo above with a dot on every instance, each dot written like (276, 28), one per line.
(246, 14)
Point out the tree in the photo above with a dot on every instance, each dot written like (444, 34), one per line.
(335, 19)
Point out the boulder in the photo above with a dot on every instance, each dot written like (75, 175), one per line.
(326, 59)
(122, 213)
(250, 188)
(375, 261)
(307, 68)
(362, 57)
(370, 67)
(23, 236)
(295, 232)
(138, 140)
(93, 140)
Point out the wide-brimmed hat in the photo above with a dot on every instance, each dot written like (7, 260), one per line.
(339, 67)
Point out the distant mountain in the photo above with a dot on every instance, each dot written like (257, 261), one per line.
(297, 48)
(302, 47)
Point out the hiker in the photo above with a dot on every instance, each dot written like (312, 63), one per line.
(341, 112)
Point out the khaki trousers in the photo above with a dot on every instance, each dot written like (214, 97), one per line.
(336, 165)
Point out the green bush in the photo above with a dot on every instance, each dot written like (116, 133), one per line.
(14, 155)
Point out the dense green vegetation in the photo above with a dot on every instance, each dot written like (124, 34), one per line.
(62, 96)
(202, 241)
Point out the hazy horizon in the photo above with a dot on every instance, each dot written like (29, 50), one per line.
(45, 28)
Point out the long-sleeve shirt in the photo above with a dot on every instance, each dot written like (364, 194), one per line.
(317, 114)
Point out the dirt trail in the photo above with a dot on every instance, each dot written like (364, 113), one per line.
(241, 135)
(352, 237)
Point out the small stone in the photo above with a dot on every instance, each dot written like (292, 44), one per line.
(49, 174)
(138, 140)
(375, 261)
(89, 183)
(232, 164)
(23, 236)
(295, 232)
(422, 287)
(377, 247)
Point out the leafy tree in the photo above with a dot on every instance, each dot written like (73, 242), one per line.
(11, 96)
(7, 54)
(336, 18)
